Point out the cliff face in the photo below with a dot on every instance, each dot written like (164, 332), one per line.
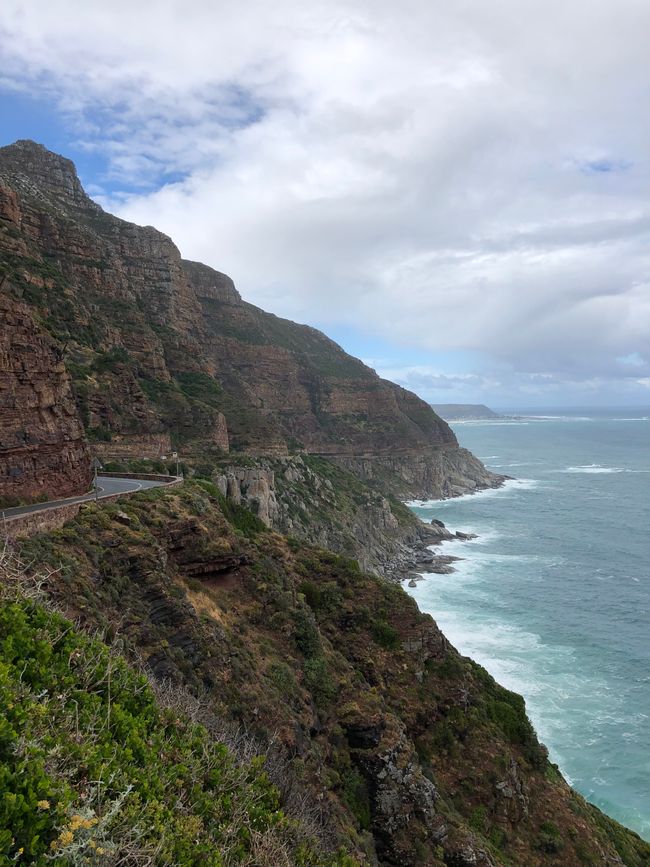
(158, 346)
(43, 452)
(312, 499)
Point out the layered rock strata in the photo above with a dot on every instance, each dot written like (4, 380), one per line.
(43, 452)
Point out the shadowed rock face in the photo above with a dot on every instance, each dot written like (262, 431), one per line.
(43, 452)
(159, 345)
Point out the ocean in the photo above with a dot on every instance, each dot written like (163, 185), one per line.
(553, 597)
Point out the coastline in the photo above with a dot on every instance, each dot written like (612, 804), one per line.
(421, 557)
(498, 609)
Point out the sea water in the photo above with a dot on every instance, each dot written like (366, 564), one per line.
(553, 597)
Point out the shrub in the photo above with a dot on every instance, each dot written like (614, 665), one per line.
(319, 680)
(385, 635)
(355, 795)
(550, 840)
(305, 632)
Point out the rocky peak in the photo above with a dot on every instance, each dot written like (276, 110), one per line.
(38, 172)
(210, 285)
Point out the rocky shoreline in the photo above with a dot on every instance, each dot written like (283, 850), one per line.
(419, 558)
(425, 560)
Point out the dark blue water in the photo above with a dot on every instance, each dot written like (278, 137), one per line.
(554, 596)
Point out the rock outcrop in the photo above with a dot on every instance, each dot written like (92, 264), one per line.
(162, 346)
(312, 499)
(43, 452)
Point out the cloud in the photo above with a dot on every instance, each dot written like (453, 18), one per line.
(456, 176)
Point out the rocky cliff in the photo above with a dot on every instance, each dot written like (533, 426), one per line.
(43, 452)
(310, 498)
(158, 346)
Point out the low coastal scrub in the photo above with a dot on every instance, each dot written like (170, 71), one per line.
(93, 770)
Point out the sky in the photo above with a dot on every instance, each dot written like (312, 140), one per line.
(457, 192)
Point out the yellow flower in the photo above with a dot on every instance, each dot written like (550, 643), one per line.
(43, 805)
(78, 821)
(20, 851)
(65, 838)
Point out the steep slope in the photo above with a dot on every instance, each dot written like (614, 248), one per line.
(409, 753)
(161, 348)
(173, 793)
(43, 452)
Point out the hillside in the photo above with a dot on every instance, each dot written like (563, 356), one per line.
(381, 737)
(165, 352)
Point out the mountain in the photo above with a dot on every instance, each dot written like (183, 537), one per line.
(164, 351)
(464, 411)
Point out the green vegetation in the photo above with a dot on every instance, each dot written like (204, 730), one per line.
(167, 794)
(200, 386)
(286, 637)
(385, 635)
(550, 839)
(239, 516)
(355, 795)
(111, 360)
(99, 434)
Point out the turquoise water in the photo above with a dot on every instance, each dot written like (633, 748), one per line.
(553, 598)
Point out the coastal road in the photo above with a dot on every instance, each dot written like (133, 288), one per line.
(107, 487)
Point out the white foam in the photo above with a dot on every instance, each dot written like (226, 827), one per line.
(508, 487)
(593, 468)
(517, 658)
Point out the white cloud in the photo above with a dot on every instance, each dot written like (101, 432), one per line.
(462, 175)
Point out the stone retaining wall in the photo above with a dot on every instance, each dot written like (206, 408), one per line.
(146, 477)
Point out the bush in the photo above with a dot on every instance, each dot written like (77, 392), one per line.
(550, 840)
(319, 680)
(305, 632)
(111, 360)
(355, 795)
(312, 593)
(99, 434)
(385, 635)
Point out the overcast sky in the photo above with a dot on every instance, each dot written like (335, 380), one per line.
(455, 190)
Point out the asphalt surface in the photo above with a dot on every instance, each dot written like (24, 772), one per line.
(107, 487)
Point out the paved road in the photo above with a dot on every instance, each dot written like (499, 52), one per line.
(107, 488)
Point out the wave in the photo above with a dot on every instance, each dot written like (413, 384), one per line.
(561, 418)
(562, 701)
(516, 464)
(499, 423)
(508, 487)
(594, 468)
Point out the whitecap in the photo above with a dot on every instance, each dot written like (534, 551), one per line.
(593, 468)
